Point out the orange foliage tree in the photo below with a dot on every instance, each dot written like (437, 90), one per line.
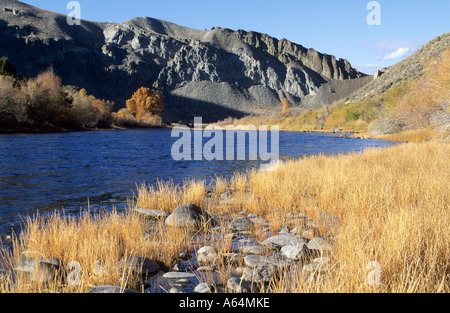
(146, 101)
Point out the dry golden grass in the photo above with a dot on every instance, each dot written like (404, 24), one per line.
(93, 239)
(168, 196)
(392, 204)
(410, 135)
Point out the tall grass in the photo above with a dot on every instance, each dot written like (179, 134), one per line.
(392, 205)
(95, 243)
(167, 195)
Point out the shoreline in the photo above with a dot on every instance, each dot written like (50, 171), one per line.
(30, 130)
(331, 213)
(406, 136)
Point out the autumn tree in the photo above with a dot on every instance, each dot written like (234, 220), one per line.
(146, 102)
(45, 100)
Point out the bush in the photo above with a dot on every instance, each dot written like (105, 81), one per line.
(87, 111)
(422, 103)
(43, 102)
(124, 118)
(7, 94)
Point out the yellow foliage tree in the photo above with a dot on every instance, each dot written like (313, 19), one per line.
(146, 101)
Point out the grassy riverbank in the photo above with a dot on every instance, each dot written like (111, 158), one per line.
(392, 205)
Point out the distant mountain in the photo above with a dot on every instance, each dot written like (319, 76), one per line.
(214, 74)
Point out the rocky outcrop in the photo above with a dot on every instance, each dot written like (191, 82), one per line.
(214, 73)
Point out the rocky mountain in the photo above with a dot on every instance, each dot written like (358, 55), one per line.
(214, 74)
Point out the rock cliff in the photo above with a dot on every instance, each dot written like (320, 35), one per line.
(214, 74)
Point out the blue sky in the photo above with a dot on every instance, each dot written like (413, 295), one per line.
(337, 27)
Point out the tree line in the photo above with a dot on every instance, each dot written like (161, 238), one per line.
(44, 102)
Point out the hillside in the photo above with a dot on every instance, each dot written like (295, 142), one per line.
(411, 68)
(214, 74)
(409, 101)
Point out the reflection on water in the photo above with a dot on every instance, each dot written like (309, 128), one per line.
(49, 172)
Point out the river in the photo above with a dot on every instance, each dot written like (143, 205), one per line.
(48, 172)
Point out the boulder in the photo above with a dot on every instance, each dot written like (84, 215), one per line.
(258, 250)
(241, 224)
(190, 215)
(179, 275)
(151, 214)
(260, 275)
(176, 290)
(254, 261)
(237, 285)
(279, 241)
(206, 269)
(203, 288)
(295, 252)
(110, 289)
(139, 266)
(207, 255)
(42, 270)
(320, 245)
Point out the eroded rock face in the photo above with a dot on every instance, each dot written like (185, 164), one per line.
(216, 73)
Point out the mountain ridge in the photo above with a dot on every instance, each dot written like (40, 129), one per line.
(215, 74)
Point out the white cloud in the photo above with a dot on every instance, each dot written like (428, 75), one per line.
(388, 50)
(400, 52)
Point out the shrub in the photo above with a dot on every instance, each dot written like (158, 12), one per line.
(422, 103)
(89, 112)
(45, 100)
(7, 94)
(124, 118)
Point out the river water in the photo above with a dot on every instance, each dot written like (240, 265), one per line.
(48, 172)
